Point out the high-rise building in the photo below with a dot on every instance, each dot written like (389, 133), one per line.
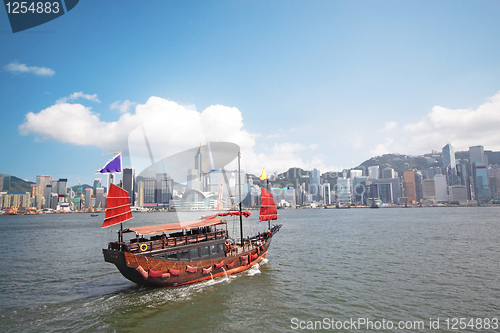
(450, 166)
(476, 155)
(458, 193)
(327, 200)
(387, 190)
(314, 182)
(343, 191)
(428, 189)
(410, 185)
(359, 190)
(373, 172)
(88, 197)
(441, 188)
(388, 173)
(100, 201)
(149, 190)
(129, 183)
(62, 186)
(97, 183)
(481, 187)
(164, 188)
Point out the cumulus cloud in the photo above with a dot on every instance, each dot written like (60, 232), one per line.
(390, 125)
(383, 148)
(160, 128)
(122, 106)
(461, 127)
(16, 68)
(76, 95)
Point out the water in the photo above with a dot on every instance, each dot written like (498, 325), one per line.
(382, 264)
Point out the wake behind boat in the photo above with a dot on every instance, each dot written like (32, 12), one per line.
(186, 252)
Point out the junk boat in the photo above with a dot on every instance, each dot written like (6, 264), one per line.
(180, 253)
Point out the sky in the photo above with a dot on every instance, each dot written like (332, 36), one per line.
(310, 84)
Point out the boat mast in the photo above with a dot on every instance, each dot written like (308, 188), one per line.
(239, 193)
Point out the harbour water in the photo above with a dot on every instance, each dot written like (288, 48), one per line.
(399, 265)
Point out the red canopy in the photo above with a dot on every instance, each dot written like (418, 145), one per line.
(268, 210)
(117, 206)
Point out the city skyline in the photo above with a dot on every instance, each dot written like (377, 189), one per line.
(321, 84)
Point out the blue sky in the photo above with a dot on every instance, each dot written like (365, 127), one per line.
(323, 84)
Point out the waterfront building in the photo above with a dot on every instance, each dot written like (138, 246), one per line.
(88, 197)
(410, 185)
(129, 183)
(314, 182)
(458, 193)
(62, 185)
(373, 172)
(100, 198)
(140, 193)
(164, 189)
(343, 191)
(149, 191)
(326, 194)
(360, 190)
(428, 189)
(441, 188)
(387, 190)
(97, 184)
(481, 188)
(449, 165)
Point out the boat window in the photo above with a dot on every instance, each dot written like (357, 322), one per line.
(194, 253)
(204, 251)
(171, 255)
(213, 249)
(221, 248)
(183, 255)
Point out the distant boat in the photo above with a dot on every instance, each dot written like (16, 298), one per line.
(186, 252)
(94, 215)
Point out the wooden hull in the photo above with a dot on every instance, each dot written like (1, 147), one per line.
(128, 263)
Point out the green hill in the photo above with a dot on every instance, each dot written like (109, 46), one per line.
(19, 185)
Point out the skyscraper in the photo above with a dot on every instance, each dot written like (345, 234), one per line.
(450, 166)
(314, 182)
(481, 188)
(476, 154)
(97, 184)
(373, 172)
(410, 185)
(129, 183)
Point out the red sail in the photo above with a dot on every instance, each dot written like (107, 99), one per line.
(267, 207)
(117, 206)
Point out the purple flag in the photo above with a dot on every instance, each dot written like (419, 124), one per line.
(113, 166)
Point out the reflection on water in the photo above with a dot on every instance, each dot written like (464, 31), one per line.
(396, 264)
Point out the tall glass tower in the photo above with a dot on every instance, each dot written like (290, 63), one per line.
(450, 165)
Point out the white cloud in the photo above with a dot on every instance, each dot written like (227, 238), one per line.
(356, 140)
(74, 96)
(123, 107)
(461, 127)
(169, 128)
(15, 67)
(390, 125)
(382, 148)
